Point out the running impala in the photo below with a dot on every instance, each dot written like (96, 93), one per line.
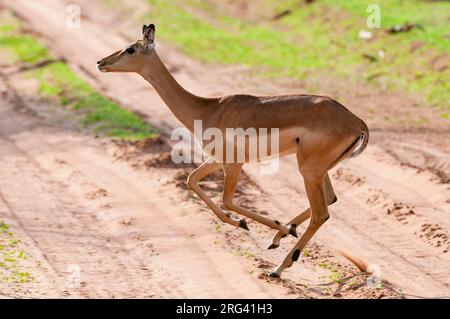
(319, 130)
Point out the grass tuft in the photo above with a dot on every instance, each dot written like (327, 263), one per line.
(12, 257)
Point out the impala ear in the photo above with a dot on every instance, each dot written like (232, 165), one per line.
(148, 34)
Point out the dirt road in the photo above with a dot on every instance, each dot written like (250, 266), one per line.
(134, 231)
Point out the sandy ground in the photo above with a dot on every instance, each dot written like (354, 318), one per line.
(122, 215)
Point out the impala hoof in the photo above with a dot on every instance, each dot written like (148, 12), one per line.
(273, 246)
(274, 275)
(293, 230)
(243, 224)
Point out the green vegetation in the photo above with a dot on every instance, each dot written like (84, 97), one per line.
(334, 276)
(320, 40)
(305, 252)
(244, 252)
(12, 258)
(432, 16)
(57, 81)
(233, 42)
(25, 48)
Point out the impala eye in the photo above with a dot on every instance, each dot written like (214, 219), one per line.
(130, 50)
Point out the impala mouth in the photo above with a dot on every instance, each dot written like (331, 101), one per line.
(102, 67)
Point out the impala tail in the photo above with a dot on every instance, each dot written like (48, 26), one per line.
(362, 142)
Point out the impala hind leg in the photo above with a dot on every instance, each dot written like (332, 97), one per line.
(195, 177)
(315, 157)
(232, 172)
(319, 215)
(298, 220)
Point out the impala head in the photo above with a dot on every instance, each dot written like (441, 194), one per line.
(131, 58)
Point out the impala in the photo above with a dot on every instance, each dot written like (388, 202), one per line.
(319, 130)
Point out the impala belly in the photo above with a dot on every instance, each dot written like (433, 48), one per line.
(250, 148)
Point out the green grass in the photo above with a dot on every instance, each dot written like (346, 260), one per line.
(244, 252)
(433, 16)
(400, 69)
(57, 81)
(318, 40)
(12, 257)
(235, 43)
(99, 112)
(25, 48)
(334, 275)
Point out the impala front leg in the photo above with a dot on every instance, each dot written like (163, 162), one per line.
(194, 178)
(232, 172)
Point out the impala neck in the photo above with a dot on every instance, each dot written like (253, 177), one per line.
(186, 106)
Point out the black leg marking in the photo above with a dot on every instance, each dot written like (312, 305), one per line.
(277, 222)
(272, 246)
(295, 255)
(293, 231)
(297, 140)
(243, 224)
